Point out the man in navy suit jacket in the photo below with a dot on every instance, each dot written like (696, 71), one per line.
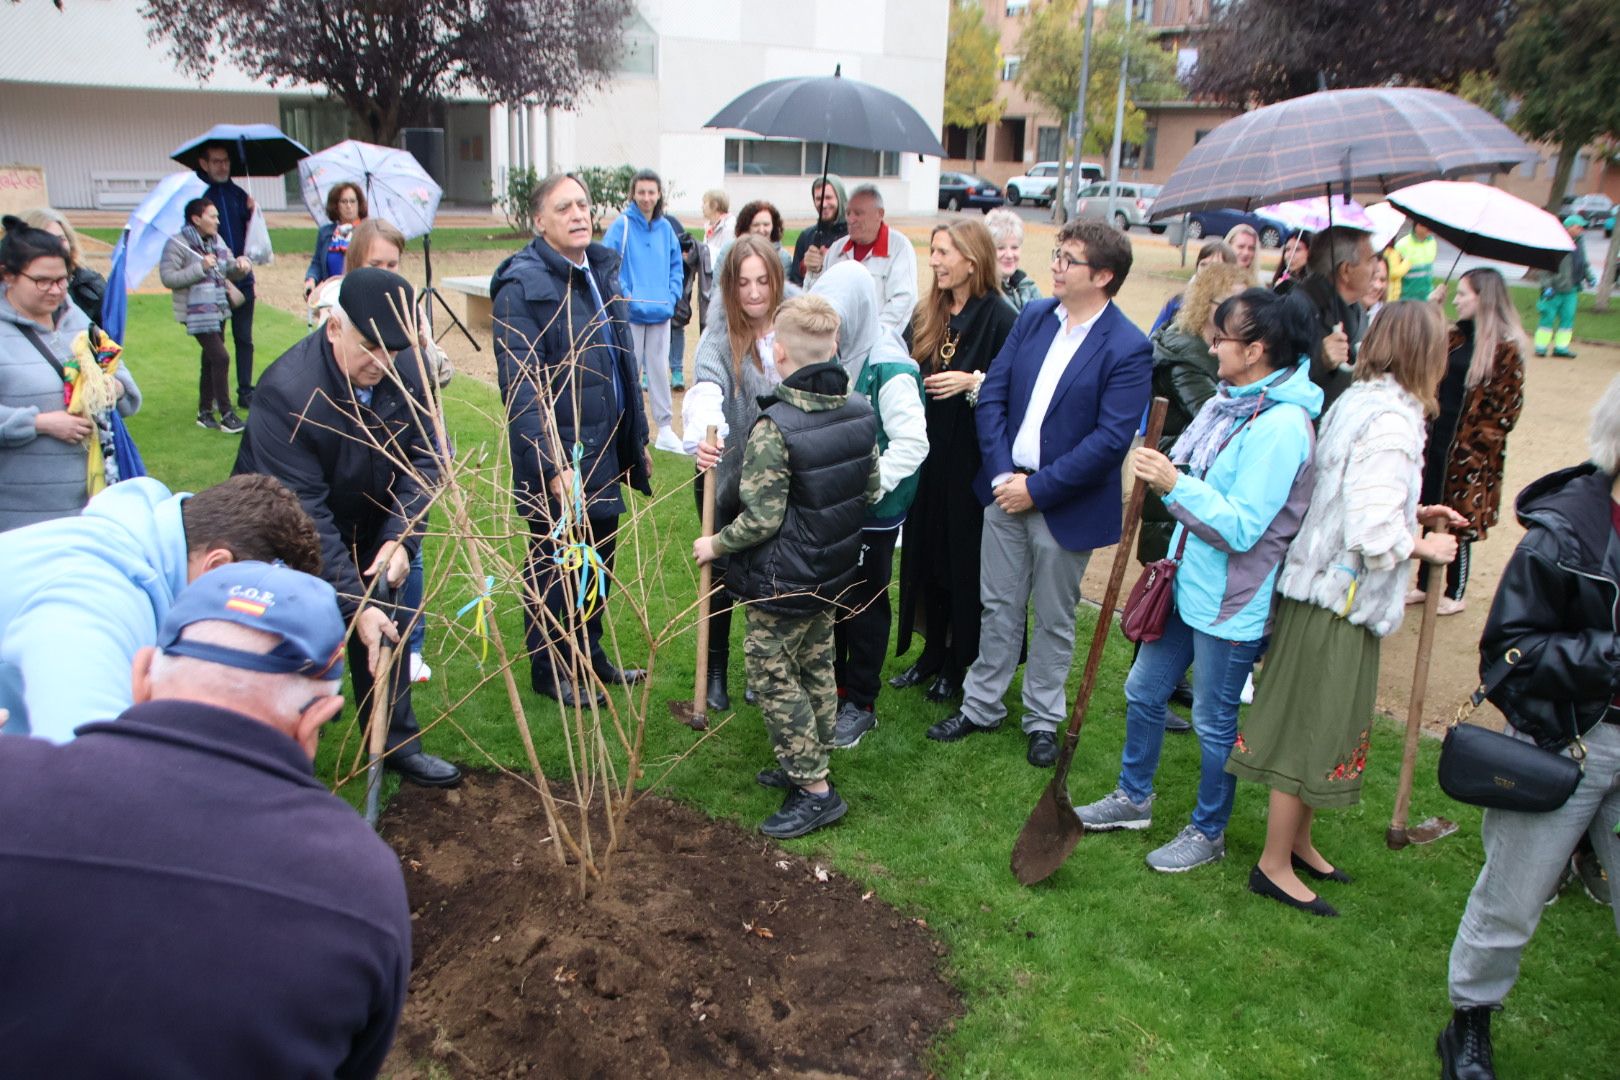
(1056, 415)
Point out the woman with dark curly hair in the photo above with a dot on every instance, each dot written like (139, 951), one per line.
(764, 220)
(345, 208)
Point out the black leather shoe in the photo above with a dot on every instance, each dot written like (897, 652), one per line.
(1331, 874)
(563, 691)
(622, 676)
(717, 698)
(1465, 1045)
(1043, 749)
(424, 769)
(943, 689)
(244, 398)
(1176, 725)
(954, 727)
(1261, 885)
(1182, 695)
(915, 675)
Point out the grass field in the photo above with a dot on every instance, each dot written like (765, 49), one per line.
(1106, 970)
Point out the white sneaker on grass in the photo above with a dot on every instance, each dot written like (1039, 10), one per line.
(420, 672)
(669, 441)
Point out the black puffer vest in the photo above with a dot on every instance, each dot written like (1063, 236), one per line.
(814, 556)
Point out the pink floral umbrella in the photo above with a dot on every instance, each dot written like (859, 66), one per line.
(1317, 214)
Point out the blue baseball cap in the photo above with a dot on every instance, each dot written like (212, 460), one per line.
(298, 608)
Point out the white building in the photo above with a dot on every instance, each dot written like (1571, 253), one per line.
(84, 95)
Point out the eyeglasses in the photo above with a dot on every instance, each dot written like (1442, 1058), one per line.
(1063, 260)
(1218, 339)
(46, 283)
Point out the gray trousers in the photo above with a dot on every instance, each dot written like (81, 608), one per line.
(1018, 559)
(651, 343)
(1525, 855)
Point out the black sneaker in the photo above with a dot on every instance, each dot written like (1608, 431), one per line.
(206, 420)
(852, 725)
(776, 778)
(803, 813)
(231, 424)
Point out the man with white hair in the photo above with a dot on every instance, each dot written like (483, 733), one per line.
(886, 254)
(180, 897)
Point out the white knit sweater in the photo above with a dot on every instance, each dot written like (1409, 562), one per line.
(1363, 515)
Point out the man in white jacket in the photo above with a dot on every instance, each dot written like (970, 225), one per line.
(887, 255)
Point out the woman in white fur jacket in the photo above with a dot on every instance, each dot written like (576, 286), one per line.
(1341, 591)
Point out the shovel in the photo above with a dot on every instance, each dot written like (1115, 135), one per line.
(1432, 829)
(1053, 830)
(382, 693)
(694, 714)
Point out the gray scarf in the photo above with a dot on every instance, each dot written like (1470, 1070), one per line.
(1217, 422)
(207, 303)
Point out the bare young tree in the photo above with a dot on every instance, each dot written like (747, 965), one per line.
(391, 61)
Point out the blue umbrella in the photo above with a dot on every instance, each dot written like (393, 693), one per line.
(255, 149)
(115, 300)
(160, 215)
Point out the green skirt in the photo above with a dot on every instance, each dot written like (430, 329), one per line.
(1309, 729)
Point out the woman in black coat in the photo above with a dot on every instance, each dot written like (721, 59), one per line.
(956, 332)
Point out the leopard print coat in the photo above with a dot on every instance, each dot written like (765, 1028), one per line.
(1473, 484)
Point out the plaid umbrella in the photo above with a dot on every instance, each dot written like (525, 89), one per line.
(1375, 139)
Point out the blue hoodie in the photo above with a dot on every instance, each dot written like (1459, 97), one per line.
(650, 271)
(81, 595)
(1246, 509)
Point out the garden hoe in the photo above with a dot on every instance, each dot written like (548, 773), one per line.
(1053, 830)
(382, 694)
(694, 713)
(1426, 832)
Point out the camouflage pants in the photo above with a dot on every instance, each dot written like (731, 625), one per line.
(790, 667)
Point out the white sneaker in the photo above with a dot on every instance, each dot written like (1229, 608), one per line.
(669, 441)
(1247, 696)
(420, 672)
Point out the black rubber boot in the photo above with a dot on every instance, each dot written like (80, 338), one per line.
(1465, 1045)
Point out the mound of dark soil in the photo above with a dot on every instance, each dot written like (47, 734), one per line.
(706, 950)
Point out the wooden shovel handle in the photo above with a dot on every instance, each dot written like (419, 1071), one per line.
(700, 684)
(1420, 689)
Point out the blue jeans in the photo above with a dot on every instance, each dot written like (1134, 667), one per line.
(411, 600)
(1219, 669)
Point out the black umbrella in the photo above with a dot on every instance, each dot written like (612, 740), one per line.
(1375, 139)
(830, 110)
(255, 149)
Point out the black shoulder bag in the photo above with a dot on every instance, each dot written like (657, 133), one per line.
(1497, 771)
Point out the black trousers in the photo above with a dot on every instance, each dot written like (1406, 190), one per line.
(242, 336)
(1456, 573)
(861, 638)
(214, 384)
(547, 642)
(404, 733)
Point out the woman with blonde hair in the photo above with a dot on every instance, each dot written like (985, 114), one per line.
(1480, 398)
(1246, 243)
(1212, 251)
(1340, 594)
(733, 368)
(956, 331)
(1007, 232)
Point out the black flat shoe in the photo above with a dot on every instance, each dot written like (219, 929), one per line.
(1261, 885)
(954, 727)
(424, 770)
(1176, 725)
(943, 689)
(622, 676)
(915, 675)
(1335, 874)
(562, 691)
(717, 698)
(1043, 749)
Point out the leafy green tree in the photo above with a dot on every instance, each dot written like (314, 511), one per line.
(1561, 60)
(972, 72)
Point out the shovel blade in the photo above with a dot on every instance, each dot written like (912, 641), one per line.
(1427, 832)
(689, 714)
(1048, 837)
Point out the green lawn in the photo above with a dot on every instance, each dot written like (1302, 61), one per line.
(1106, 970)
(1589, 325)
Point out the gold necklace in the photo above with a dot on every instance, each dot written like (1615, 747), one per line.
(947, 348)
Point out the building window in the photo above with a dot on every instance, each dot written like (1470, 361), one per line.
(1017, 7)
(1580, 168)
(789, 157)
(1048, 143)
(1198, 136)
(640, 56)
(1150, 148)
(1009, 68)
(1528, 169)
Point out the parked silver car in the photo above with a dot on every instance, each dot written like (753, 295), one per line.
(1132, 205)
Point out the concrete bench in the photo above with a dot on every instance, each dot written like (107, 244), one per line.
(475, 290)
(122, 190)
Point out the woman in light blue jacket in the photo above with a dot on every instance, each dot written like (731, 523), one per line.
(651, 277)
(1238, 482)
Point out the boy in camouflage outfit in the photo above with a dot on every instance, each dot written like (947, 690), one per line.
(809, 471)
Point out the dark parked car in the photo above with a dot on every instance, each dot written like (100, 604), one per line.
(964, 191)
(1204, 223)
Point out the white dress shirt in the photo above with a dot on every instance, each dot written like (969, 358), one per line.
(1026, 447)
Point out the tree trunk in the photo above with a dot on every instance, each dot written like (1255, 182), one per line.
(1060, 205)
(1606, 277)
(1567, 153)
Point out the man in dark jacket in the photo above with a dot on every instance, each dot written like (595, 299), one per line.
(236, 206)
(331, 424)
(180, 897)
(1329, 297)
(575, 419)
(828, 194)
(1550, 657)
